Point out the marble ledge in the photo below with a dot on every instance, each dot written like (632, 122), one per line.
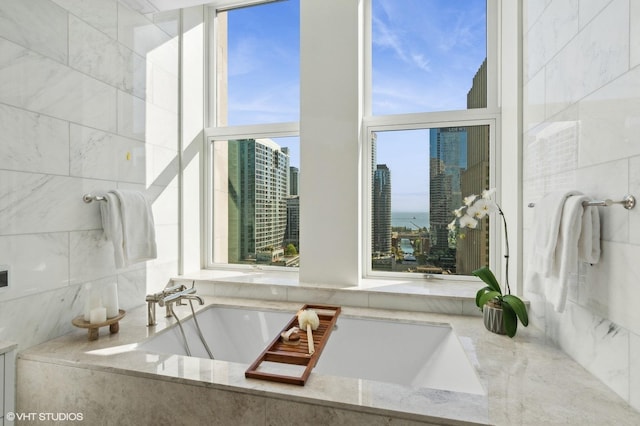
(7, 346)
(528, 380)
(434, 295)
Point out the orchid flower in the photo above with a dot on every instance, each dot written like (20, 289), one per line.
(467, 221)
(468, 200)
(487, 193)
(481, 208)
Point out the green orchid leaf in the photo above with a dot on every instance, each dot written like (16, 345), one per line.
(487, 276)
(510, 320)
(518, 307)
(479, 294)
(488, 296)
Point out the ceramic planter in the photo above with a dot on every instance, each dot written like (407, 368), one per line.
(492, 315)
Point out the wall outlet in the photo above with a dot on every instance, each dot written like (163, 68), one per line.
(4, 276)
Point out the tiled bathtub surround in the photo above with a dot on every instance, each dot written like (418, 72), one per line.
(88, 103)
(581, 127)
(528, 381)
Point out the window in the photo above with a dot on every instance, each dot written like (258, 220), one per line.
(255, 202)
(428, 74)
(425, 54)
(431, 133)
(252, 189)
(418, 177)
(258, 77)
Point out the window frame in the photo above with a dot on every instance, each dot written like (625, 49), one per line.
(212, 134)
(503, 37)
(424, 122)
(490, 115)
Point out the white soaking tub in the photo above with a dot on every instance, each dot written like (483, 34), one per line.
(420, 355)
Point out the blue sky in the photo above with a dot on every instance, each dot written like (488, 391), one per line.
(425, 54)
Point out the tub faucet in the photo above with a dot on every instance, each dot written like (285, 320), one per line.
(170, 294)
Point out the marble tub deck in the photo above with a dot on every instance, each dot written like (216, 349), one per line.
(528, 380)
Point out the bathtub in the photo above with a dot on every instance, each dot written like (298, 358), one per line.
(412, 354)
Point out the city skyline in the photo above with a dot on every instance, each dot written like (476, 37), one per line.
(425, 54)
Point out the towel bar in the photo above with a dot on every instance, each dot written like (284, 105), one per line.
(628, 202)
(87, 198)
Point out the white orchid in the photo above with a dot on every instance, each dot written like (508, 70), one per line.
(487, 193)
(468, 221)
(468, 200)
(481, 208)
(476, 208)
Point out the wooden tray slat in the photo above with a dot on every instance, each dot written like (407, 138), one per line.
(296, 354)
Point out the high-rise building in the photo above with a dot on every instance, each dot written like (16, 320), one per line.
(381, 214)
(448, 158)
(292, 234)
(472, 252)
(258, 190)
(294, 174)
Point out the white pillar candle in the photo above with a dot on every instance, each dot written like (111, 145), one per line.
(98, 315)
(110, 299)
(92, 300)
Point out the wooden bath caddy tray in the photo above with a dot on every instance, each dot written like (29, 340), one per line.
(291, 363)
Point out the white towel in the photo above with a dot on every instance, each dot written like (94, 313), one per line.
(127, 221)
(546, 228)
(565, 265)
(589, 241)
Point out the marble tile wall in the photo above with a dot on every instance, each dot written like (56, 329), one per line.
(88, 103)
(581, 131)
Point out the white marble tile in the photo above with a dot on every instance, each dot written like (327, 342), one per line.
(167, 242)
(162, 87)
(42, 316)
(90, 256)
(37, 263)
(162, 165)
(102, 57)
(634, 33)
(533, 93)
(138, 33)
(42, 85)
(551, 32)
(589, 9)
(613, 289)
(101, 155)
(599, 54)
(609, 123)
(552, 148)
(35, 203)
(408, 302)
(634, 371)
(39, 25)
(140, 6)
(33, 142)
(604, 44)
(327, 297)
(100, 14)
(532, 11)
(132, 116)
(132, 287)
(599, 345)
(608, 180)
(262, 292)
(164, 204)
(634, 189)
(168, 21)
(162, 127)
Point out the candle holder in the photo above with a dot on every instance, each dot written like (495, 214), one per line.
(94, 328)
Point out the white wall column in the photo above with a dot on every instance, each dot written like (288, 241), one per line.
(330, 117)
